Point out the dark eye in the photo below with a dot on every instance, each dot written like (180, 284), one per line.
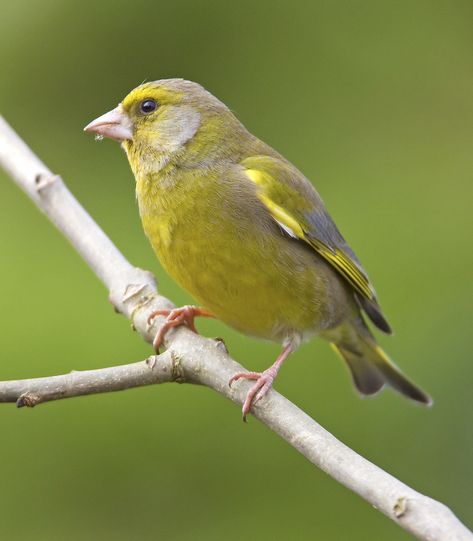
(148, 106)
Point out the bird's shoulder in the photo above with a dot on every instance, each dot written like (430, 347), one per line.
(285, 190)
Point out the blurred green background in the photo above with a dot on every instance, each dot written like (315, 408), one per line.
(373, 101)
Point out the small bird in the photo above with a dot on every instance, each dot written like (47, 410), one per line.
(246, 234)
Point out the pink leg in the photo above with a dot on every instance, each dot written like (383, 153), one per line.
(178, 316)
(264, 381)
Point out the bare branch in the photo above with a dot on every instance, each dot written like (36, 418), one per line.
(195, 359)
(31, 392)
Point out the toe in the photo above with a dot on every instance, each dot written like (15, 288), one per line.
(258, 391)
(158, 340)
(157, 313)
(244, 375)
(262, 392)
(234, 378)
(250, 397)
(245, 410)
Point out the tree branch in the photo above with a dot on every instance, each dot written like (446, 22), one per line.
(31, 392)
(195, 359)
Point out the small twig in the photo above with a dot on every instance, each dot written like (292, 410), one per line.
(195, 359)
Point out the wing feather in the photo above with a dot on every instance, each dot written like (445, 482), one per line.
(298, 209)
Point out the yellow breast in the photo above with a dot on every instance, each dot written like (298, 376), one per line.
(240, 268)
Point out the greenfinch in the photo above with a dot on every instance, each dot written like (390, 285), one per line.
(246, 234)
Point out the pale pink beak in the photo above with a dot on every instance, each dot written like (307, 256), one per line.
(115, 124)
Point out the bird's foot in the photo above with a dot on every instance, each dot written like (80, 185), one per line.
(264, 381)
(178, 316)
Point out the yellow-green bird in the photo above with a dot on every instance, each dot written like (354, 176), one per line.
(246, 234)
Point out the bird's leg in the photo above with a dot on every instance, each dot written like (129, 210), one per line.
(178, 316)
(264, 380)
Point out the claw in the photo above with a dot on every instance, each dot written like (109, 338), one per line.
(178, 316)
(244, 375)
(264, 381)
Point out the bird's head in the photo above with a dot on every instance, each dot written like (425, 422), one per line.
(168, 119)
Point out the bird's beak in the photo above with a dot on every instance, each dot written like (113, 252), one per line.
(115, 124)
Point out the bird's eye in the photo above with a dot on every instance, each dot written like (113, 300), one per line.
(148, 106)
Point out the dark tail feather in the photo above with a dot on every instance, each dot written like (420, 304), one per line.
(396, 379)
(366, 377)
(371, 368)
(373, 310)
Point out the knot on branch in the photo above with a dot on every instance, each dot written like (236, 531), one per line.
(28, 399)
(42, 181)
(177, 372)
(400, 507)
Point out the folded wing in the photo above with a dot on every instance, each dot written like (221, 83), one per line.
(296, 206)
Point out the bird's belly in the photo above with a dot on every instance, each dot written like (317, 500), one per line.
(261, 286)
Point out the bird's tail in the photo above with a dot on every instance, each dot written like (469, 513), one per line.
(369, 365)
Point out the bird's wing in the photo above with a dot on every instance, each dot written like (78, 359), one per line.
(295, 205)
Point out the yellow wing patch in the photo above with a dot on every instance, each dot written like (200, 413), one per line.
(282, 217)
(264, 181)
(336, 257)
(345, 266)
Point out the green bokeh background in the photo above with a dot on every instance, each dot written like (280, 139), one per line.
(373, 101)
